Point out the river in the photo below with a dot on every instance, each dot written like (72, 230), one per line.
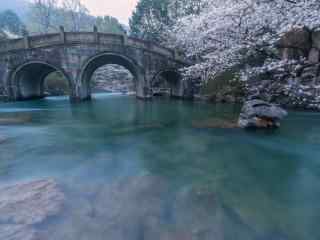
(159, 170)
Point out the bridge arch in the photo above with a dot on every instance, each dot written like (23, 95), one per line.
(172, 79)
(102, 59)
(27, 80)
(77, 55)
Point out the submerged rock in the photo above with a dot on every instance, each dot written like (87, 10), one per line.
(15, 120)
(132, 208)
(260, 114)
(201, 211)
(30, 203)
(148, 207)
(215, 123)
(17, 232)
(138, 128)
(24, 205)
(2, 139)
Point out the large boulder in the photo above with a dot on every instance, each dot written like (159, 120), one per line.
(260, 114)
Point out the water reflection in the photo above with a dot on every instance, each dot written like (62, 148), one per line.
(146, 170)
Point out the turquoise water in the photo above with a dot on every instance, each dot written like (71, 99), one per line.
(243, 184)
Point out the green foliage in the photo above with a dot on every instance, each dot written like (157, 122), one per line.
(47, 16)
(109, 24)
(226, 83)
(55, 84)
(10, 22)
(149, 19)
(152, 18)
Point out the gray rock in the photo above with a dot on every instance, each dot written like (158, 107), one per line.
(2, 139)
(260, 114)
(30, 203)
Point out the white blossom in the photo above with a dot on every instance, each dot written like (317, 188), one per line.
(226, 32)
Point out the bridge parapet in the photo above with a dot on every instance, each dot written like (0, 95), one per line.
(47, 40)
(44, 40)
(12, 45)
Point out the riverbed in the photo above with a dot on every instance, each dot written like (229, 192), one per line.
(165, 169)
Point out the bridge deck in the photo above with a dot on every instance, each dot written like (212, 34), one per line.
(71, 38)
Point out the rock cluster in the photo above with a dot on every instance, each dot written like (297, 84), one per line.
(260, 114)
(24, 205)
(295, 85)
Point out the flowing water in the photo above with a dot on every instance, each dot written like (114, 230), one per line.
(159, 170)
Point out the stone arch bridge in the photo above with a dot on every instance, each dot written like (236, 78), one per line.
(25, 62)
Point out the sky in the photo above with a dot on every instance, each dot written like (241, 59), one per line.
(121, 9)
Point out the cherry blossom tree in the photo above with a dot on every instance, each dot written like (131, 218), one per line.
(227, 32)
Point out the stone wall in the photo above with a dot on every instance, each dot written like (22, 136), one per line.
(301, 42)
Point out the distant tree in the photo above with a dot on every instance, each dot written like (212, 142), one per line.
(109, 24)
(43, 15)
(11, 23)
(76, 15)
(149, 19)
(47, 15)
(152, 18)
(56, 85)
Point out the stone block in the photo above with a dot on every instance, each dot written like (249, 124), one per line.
(314, 55)
(292, 53)
(297, 38)
(316, 39)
